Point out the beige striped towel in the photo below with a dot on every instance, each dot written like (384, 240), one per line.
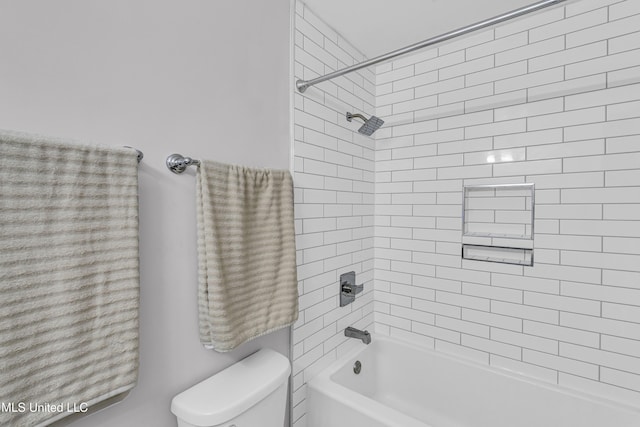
(69, 277)
(246, 253)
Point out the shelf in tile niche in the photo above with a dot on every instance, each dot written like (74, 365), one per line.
(498, 211)
(499, 235)
(498, 254)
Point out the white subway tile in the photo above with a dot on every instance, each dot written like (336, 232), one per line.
(553, 241)
(492, 319)
(528, 138)
(525, 312)
(620, 345)
(562, 333)
(414, 104)
(413, 128)
(622, 212)
(568, 87)
(526, 283)
(436, 137)
(529, 109)
(562, 303)
(491, 346)
(568, 180)
(529, 21)
(623, 111)
(496, 101)
(466, 41)
(530, 51)
(623, 9)
(497, 73)
(600, 357)
(598, 324)
(465, 146)
(569, 118)
(582, 369)
(601, 228)
(569, 25)
(537, 167)
(465, 120)
(623, 77)
(608, 63)
(530, 79)
(411, 314)
(492, 292)
(603, 130)
(496, 156)
(417, 80)
(603, 97)
(414, 58)
(627, 313)
(568, 56)
(438, 161)
(577, 8)
(471, 328)
(436, 332)
(601, 195)
(526, 341)
(464, 172)
(465, 94)
(621, 245)
(442, 61)
(494, 129)
(499, 45)
(564, 272)
(439, 112)
(624, 43)
(394, 97)
(463, 300)
(604, 31)
(620, 379)
(396, 74)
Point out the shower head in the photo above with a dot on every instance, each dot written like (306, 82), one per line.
(370, 125)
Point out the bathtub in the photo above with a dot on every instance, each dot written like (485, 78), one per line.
(403, 385)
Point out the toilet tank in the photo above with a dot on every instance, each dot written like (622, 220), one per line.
(250, 393)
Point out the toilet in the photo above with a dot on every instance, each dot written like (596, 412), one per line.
(250, 393)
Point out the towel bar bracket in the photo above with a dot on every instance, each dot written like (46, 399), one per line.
(177, 163)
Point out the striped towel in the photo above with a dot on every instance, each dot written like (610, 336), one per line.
(69, 277)
(246, 253)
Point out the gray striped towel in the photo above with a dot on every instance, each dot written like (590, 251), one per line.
(69, 279)
(246, 253)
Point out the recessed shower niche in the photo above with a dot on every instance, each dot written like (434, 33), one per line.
(498, 223)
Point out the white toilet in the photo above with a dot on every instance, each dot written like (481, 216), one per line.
(250, 393)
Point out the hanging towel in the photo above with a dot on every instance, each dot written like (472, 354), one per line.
(246, 253)
(69, 279)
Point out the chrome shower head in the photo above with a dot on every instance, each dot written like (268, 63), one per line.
(370, 125)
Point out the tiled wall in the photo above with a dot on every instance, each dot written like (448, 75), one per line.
(334, 192)
(552, 99)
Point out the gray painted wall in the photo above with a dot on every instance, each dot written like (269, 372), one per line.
(208, 79)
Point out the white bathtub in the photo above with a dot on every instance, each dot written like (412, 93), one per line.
(402, 385)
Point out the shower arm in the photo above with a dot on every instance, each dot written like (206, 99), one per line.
(303, 85)
(350, 117)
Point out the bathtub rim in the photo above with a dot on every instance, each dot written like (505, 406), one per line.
(323, 382)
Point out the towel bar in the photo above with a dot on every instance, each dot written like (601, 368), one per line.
(177, 163)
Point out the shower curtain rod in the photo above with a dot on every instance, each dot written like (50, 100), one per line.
(303, 85)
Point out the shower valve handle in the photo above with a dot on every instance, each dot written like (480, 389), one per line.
(348, 288)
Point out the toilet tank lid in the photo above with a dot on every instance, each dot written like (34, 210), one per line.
(232, 391)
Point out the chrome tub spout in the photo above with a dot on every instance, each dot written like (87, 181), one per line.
(357, 333)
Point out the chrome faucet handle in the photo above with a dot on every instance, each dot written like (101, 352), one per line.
(349, 288)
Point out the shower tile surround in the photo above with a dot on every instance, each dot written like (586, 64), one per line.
(551, 99)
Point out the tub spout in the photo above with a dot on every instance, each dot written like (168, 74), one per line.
(357, 333)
